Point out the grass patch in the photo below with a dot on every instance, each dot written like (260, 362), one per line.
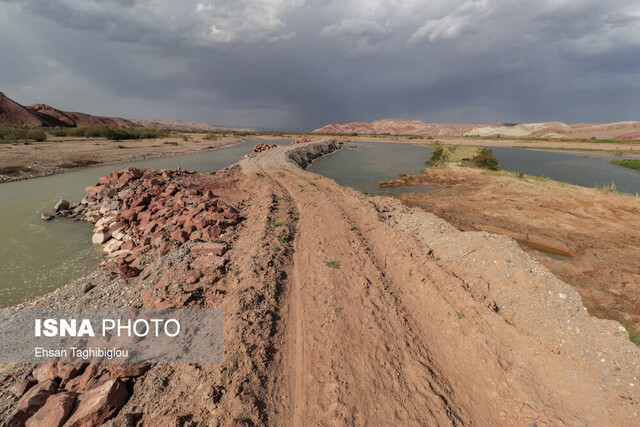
(628, 163)
(333, 264)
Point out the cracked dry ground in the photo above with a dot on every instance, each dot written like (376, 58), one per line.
(342, 309)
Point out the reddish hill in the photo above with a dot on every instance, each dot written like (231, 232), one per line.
(14, 114)
(51, 115)
(396, 127)
(619, 130)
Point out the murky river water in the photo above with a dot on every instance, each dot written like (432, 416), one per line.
(37, 256)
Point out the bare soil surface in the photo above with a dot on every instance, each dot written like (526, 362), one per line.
(587, 237)
(343, 309)
(63, 154)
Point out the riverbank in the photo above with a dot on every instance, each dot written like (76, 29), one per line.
(20, 161)
(621, 148)
(586, 237)
(339, 308)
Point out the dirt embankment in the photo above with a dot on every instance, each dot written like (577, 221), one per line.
(347, 309)
(587, 237)
(58, 155)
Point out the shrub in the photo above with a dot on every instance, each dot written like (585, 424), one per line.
(485, 159)
(438, 157)
(37, 135)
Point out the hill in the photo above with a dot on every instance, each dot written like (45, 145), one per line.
(14, 114)
(620, 130)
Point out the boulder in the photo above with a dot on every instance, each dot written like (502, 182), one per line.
(19, 388)
(180, 236)
(112, 246)
(100, 237)
(97, 405)
(32, 400)
(47, 217)
(126, 271)
(45, 371)
(62, 205)
(55, 411)
(209, 249)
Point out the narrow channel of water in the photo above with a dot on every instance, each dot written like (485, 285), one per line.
(36, 256)
(371, 162)
(580, 169)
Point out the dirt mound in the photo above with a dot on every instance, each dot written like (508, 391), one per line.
(14, 114)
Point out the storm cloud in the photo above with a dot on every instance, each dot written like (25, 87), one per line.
(300, 64)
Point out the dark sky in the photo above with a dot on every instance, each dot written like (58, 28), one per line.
(300, 64)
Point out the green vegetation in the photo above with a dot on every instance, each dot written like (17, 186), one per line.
(628, 163)
(439, 156)
(11, 134)
(634, 333)
(485, 159)
(481, 158)
(333, 264)
(115, 134)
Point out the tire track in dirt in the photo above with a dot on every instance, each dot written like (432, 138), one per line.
(425, 384)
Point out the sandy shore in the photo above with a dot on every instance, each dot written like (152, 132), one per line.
(339, 309)
(58, 155)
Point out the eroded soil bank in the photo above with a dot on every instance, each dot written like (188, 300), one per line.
(339, 309)
(58, 155)
(587, 237)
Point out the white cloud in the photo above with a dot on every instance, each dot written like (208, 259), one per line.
(462, 20)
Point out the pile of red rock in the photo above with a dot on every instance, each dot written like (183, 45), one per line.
(138, 211)
(302, 139)
(261, 147)
(71, 394)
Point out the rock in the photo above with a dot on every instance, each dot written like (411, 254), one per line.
(47, 217)
(80, 383)
(87, 287)
(130, 174)
(209, 249)
(66, 213)
(104, 221)
(61, 206)
(180, 236)
(68, 371)
(55, 411)
(100, 237)
(127, 370)
(45, 371)
(33, 400)
(208, 262)
(97, 405)
(112, 246)
(19, 388)
(126, 271)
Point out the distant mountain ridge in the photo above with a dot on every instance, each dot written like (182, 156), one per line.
(619, 130)
(14, 114)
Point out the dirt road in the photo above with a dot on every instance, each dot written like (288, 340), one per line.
(395, 317)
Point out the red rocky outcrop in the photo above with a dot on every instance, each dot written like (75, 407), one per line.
(262, 147)
(302, 139)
